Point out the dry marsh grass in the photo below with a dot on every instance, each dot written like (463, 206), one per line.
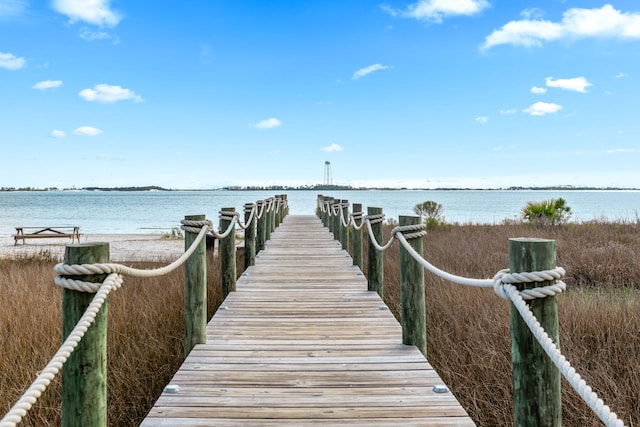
(145, 337)
(467, 329)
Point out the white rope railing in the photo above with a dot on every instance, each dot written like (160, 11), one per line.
(503, 285)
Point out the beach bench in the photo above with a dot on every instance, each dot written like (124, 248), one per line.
(24, 233)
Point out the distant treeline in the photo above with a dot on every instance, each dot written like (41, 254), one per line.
(147, 188)
(318, 187)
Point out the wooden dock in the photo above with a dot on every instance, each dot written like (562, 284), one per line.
(302, 342)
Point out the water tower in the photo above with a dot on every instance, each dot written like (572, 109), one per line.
(328, 180)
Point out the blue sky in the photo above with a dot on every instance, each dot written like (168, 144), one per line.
(435, 93)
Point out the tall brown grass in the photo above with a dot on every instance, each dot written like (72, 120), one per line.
(145, 337)
(468, 340)
(467, 329)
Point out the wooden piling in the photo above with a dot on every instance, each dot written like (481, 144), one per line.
(195, 290)
(412, 292)
(536, 380)
(84, 376)
(356, 251)
(375, 259)
(271, 217)
(261, 225)
(249, 235)
(344, 231)
(228, 252)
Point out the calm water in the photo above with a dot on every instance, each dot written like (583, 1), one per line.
(144, 212)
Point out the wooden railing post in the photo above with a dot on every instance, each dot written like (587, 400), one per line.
(249, 235)
(271, 218)
(325, 214)
(344, 231)
(195, 290)
(331, 219)
(319, 199)
(278, 212)
(337, 226)
(286, 208)
(357, 237)
(274, 213)
(536, 380)
(412, 292)
(375, 259)
(84, 376)
(261, 226)
(227, 251)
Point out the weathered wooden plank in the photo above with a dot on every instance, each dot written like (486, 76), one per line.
(302, 342)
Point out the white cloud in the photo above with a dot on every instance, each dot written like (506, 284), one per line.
(333, 148)
(542, 108)
(108, 94)
(509, 111)
(436, 10)
(11, 62)
(576, 23)
(578, 84)
(12, 7)
(368, 70)
(268, 123)
(482, 119)
(87, 131)
(56, 133)
(47, 84)
(622, 150)
(538, 90)
(95, 12)
(90, 35)
(532, 13)
(621, 75)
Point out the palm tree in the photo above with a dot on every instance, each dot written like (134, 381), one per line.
(547, 212)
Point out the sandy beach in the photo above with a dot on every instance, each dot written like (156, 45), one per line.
(122, 247)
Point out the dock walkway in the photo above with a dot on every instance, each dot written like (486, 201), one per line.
(302, 342)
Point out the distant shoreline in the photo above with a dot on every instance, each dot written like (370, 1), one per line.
(317, 187)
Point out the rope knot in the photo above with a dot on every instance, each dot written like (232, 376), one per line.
(227, 215)
(374, 219)
(504, 279)
(412, 231)
(194, 226)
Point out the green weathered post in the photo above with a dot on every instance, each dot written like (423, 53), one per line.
(195, 290)
(336, 209)
(330, 218)
(261, 226)
(375, 259)
(228, 251)
(271, 217)
(536, 380)
(249, 235)
(344, 231)
(325, 214)
(84, 376)
(357, 236)
(278, 212)
(318, 211)
(412, 291)
(274, 211)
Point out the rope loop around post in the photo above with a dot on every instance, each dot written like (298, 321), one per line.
(374, 219)
(504, 277)
(410, 232)
(355, 218)
(194, 226)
